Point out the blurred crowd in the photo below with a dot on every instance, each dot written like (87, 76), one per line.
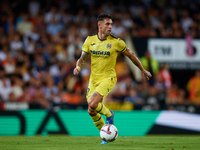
(40, 42)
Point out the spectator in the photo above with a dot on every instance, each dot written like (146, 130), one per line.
(10, 25)
(142, 20)
(5, 88)
(127, 21)
(12, 98)
(26, 96)
(193, 87)
(80, 18)
(152, 98)
(186, 21)
(17, 87)
(118, 30)
(173, 16)
(159, 83)
(154, 18)
(161, 90)
(54, 27)
(16, 44)
(34, 8)
(150, 64)
(166, 75)
(25, 25)
(32, 34)
(30, 47)
(9, 64)
(136, 8)
(177, 31)
(3, 53)
(26, 70)
(181, 97)
(134, 98)
(143, 88)
(84, 30)
(50, 88)
(52, 14)
(85, 73)
(40, 64)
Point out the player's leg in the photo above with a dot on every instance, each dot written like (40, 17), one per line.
(103, 89)
(96, 117)
(95, 103)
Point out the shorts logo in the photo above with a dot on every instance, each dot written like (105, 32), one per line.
(108, 46)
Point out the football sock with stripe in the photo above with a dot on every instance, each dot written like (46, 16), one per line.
(102, 109)
(98, 121)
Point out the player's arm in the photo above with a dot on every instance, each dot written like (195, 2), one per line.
(80, 63)
(137, 62)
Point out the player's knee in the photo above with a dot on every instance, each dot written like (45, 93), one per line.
(93, 105)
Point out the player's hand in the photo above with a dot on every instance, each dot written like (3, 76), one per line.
(147, 74)
(77, 70)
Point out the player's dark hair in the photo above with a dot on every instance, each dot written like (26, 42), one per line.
(103, 16)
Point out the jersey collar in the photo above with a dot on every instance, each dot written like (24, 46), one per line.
(100, 39)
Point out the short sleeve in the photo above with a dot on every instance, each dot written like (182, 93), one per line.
(121, 46)
(85, 46)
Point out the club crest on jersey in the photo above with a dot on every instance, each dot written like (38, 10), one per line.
(108, 46)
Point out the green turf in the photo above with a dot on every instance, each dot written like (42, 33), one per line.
(61, 142)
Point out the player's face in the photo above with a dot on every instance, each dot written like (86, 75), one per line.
(106, 26)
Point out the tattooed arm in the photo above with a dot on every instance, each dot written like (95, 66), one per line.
(80, 63)
(137, 62)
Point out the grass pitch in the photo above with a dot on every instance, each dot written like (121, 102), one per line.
(63, 142)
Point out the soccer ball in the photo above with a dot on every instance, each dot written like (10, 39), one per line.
(108, 133)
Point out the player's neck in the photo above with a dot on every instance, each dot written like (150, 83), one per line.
(102, 36)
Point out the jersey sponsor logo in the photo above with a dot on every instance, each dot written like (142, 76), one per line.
(100, 53)
(108, 46)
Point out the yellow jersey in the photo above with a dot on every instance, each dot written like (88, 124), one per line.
(103, 55)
